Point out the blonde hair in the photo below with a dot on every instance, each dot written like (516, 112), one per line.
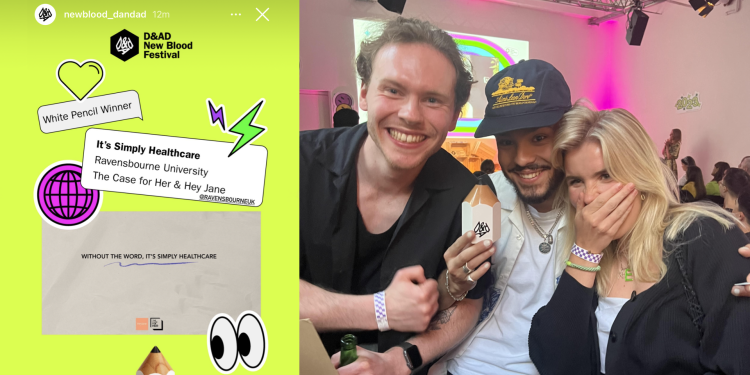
(629, 156)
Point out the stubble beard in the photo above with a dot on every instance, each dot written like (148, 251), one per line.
(530, 197)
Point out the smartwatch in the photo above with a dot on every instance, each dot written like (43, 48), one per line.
(411, 354)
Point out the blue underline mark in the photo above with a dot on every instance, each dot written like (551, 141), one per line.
(147, 264)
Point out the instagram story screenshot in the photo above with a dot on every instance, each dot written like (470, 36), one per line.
(153, 168)
(375, 187)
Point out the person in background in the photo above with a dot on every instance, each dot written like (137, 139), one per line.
(742, 210)
(644, 291)
(685, 162)
(722, 190)
(345, 117)
(712, 188)
(671, 150)
(479, 174)
(735, 181)
(694, 190)
(488, 166)
(745, 164)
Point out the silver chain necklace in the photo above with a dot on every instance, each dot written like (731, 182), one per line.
(547, 240)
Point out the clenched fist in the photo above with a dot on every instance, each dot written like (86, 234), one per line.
(411, 300)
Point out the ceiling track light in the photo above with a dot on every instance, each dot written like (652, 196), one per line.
(703, 7)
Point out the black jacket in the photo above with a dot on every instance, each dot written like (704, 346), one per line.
(654, 332)
(431, 221)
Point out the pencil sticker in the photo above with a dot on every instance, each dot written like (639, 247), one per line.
(155, 364)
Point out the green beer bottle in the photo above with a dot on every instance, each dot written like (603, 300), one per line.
(348, 350)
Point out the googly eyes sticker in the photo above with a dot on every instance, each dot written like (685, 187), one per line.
(222, 343)
(252, 342)
(230, 343)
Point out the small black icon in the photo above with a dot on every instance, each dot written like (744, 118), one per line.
(481, 229)
(45, 14)
(123, 45)
(156, 324)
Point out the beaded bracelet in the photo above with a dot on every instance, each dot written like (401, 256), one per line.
(583, 268)
(447, 277)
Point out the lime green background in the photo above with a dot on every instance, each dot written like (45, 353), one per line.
(235, 61)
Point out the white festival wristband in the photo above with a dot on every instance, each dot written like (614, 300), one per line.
(380, 315)
(585, 255)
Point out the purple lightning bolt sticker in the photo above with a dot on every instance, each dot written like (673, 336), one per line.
(215, 115)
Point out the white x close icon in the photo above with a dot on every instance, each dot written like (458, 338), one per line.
(262, 14)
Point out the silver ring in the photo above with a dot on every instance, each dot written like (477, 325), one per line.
(470, 279)
(466, 268)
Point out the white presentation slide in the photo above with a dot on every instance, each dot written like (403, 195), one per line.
(129, 273)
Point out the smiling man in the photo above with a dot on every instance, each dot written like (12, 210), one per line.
(380, 204)
(525, 101)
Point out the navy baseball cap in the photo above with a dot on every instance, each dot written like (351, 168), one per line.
(529, 94)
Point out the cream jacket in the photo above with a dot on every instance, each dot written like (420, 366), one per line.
(508, 246)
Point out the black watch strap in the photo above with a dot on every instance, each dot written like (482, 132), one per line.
(411, 355)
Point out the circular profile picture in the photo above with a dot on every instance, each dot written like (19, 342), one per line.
(45, 14)
(61, 199)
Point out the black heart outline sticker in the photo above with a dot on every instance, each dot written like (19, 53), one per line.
(80, 65)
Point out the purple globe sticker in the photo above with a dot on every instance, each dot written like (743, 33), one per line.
(61, 199)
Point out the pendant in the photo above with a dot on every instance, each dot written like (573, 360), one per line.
(549, 239)
(628, 275)
(545, 247)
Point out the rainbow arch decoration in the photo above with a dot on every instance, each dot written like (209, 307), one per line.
(478, 46)
(466, 127)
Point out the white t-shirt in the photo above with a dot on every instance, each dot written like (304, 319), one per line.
(606, 313)
(502, 345)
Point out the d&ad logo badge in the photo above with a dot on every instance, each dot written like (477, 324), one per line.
(45, 14)
(123, 45)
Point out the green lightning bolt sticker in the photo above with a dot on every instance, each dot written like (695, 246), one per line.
(246, 130)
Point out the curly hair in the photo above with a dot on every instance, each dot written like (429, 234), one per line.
(414, 31)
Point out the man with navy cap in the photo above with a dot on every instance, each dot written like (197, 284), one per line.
(525, 101)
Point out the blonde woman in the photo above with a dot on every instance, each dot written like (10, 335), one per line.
(645, 288)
